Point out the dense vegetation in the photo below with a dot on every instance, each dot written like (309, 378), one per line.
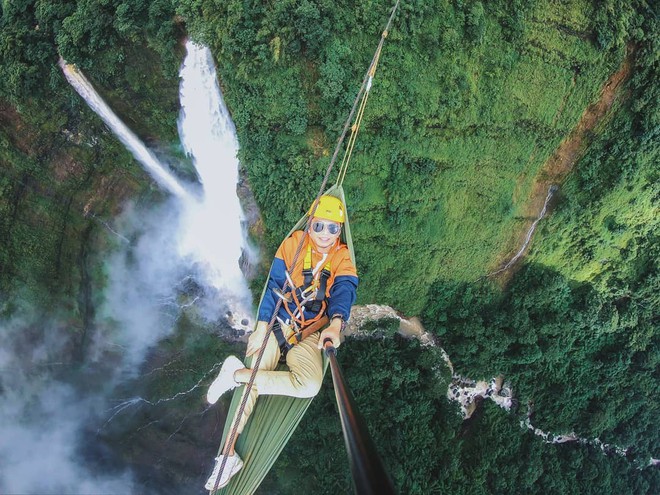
(464, 90)
(470, 100)
(428, 450)
(61, 172)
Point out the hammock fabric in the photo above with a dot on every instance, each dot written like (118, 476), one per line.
(275, 417)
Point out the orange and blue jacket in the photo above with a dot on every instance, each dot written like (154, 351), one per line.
(341, 288)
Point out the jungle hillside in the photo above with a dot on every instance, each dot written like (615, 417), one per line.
(476, 110)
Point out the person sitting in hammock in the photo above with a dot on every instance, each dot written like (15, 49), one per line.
(325, 281)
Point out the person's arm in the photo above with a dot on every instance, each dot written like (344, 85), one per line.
(342, 295)
(276, 279)
(276, 276)
(343, 291)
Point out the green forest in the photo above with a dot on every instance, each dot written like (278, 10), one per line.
(470, 103)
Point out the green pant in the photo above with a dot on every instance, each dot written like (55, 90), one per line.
(302, 380)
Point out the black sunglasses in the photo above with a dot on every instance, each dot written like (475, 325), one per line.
(333, 228)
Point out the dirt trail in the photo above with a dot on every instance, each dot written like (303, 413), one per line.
(558, 166)
(555, 170)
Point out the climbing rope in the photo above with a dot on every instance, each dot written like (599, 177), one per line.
(364, 95)
(359, 104)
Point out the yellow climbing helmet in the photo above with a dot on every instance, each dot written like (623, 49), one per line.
(330, 208)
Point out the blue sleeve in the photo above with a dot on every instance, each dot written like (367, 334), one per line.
(342, 295)
(276, 279)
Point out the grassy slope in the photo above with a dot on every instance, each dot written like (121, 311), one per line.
(518, 103)
(576, 330)
(444, 164)
(605, 240)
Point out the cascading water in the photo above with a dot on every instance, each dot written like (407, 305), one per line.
(181, 252)
(85, 89)
(210, 237)
(530, 232)
(211, 230)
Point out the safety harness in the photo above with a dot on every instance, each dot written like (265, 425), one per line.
(314, 284)
(310, 296)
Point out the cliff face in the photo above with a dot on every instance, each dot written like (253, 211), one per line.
(64, 180)
(58, 189)
(62, 174)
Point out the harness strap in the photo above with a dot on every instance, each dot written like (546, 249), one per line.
(312, 281)
(297, 337)
(281, 341)
(323, 283)
(308, 272)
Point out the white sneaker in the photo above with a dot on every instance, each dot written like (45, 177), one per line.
(233, 465)
(225, 379)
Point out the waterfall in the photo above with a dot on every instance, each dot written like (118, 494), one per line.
(209, 236)
(85, 89)
(530, 232)
(212, 228)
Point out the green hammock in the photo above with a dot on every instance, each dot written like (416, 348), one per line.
(275, 417)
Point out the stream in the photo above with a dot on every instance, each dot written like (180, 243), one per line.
(530, 232)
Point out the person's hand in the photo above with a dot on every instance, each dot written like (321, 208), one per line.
(256, 338)
(332, 331)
